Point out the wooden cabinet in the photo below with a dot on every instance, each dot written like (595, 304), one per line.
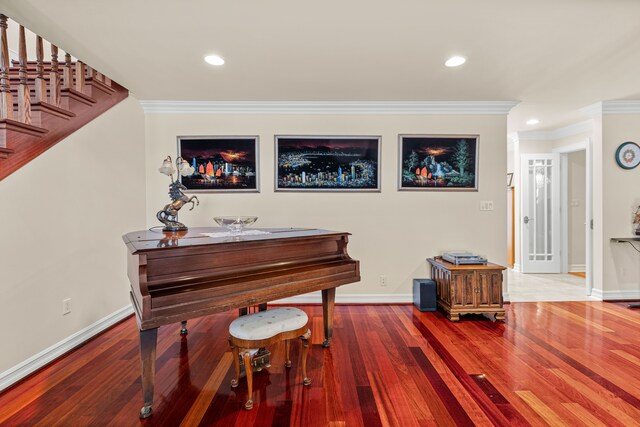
(466, 289)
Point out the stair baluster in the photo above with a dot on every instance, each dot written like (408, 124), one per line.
(24, 94)
(6, 99)
(54, 78)
(67, 73)
(80, 76)
(41, 85)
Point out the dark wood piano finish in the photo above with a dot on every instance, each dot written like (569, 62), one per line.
(182, 275)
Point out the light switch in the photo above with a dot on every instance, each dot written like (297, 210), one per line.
(486, 205)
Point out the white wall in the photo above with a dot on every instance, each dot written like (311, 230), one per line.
(393, 232)
(620, 193)
(62, 219)
(576, 187)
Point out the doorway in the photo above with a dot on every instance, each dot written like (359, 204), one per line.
(576, 210)
(555, 216)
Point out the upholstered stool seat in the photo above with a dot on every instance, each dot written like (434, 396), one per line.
(253, 331)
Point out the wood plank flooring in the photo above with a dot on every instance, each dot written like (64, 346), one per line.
(558, 364)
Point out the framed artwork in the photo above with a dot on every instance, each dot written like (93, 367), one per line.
(438, 162)
(221, 163)
(327, 163)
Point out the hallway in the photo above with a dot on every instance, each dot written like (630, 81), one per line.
(546, 287)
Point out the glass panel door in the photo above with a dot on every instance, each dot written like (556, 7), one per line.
(540, 213)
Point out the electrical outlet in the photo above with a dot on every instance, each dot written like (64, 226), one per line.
(66, 306)
(486, 205)
(383, 280)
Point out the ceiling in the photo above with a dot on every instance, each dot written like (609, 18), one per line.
(555, 56)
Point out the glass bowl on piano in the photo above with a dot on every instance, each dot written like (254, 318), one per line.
(235, 224)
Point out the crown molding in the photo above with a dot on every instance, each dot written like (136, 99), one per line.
(621, 107)
(330, 107)
(563, 132)
(593, 109)
(612, 107)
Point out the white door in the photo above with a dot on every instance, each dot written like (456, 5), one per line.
(540, 221)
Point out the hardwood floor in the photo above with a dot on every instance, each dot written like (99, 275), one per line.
(569, 363)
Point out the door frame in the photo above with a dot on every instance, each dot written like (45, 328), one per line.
(563, 151)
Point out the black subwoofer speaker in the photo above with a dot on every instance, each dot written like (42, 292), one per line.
(424, 294)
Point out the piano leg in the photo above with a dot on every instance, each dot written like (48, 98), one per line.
(148, 341)
(183, 329)
(328, 300)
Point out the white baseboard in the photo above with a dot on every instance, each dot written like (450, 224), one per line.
(577, 268)
(505, 297)
(32, 364)
(316, 298)
(621, 295)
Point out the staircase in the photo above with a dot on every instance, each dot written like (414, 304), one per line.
(43, 102)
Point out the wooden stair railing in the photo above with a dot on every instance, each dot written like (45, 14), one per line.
(43, 102)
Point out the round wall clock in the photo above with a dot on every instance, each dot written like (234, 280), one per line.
(628, 155)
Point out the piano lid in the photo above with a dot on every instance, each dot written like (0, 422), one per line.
(147, 240)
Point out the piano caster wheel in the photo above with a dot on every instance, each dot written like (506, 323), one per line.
(234, 383)
(183, 329)
(306, 381)
(183, 332)
(258, 368)
(249, 405)
(326, 343)
(267, 365)
(145, 412)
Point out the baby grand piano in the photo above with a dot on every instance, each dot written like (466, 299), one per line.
(176, 276)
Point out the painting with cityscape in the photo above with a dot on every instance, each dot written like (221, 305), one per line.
(438, 162)
(327, 163)
(226, 163)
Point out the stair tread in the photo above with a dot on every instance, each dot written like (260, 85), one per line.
(17, 125)
(71, 92)
(52, 108)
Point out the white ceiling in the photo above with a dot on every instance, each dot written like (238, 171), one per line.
(555, 56)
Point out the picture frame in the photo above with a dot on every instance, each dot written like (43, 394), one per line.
(509, 179)
(438, 162)
(327, 163)
(223, 164)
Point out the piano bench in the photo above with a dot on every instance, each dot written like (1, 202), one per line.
(249, 333)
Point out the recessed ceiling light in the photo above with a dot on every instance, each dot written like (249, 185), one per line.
(533, 121)
(455, 61)
(214, 60)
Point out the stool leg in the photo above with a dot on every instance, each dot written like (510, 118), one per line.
(305, 348)
(246, 357)
(287, 362)
(236, 362)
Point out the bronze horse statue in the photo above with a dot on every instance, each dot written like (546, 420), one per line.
(169, 215)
